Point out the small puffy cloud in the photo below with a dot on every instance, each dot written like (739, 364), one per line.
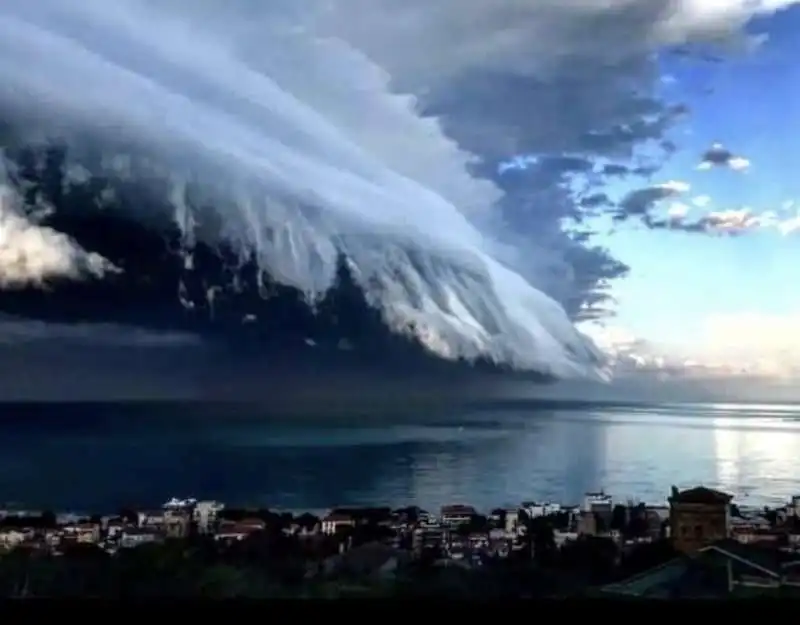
(640, 202)
(720, 156)
(701, 201)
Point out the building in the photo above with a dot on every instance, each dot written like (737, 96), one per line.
(83, 532)
(204, 514)
(794, 507)
(587, 523)
(724, 569)
(231, 531)
(512, 521)
(457, 514)
(535, 509)
(428, 535)
(599, 503)
(698, 517)
(11, 538)
(151, 519)
(134, 537)
(337, 521)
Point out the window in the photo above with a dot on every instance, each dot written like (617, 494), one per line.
(698, 531)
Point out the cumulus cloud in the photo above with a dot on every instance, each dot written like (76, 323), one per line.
(720, 156)
(33, 254)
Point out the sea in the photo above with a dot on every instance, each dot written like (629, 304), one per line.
(98, 457)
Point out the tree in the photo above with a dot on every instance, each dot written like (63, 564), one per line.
(593, 555)
(544, 542)
(500, 515)
(619, 517)
(645, 556)
(638, 525)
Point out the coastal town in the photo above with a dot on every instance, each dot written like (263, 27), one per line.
(601, 545)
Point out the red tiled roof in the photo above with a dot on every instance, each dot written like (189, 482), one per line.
(238, 528)
(260, 524)
(458, 509)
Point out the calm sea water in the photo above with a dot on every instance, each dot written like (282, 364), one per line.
(99, 457)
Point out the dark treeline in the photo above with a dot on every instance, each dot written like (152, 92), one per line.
(221, 294)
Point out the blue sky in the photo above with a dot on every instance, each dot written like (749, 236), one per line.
(680, 281)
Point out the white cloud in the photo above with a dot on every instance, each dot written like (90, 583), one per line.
(30, 254)
(701, 201)
(742, 344)
(739, 163)
(677, 210)
(758, 342)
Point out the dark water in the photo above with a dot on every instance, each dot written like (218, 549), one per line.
(101, 456)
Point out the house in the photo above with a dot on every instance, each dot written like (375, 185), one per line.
(457, 514)
(698, 517)
(176, 526)
(512, 521)
(230, 532)
(725, 569)
(534, 509)
(115, 527)
(134, 537)
(752, 529)
(11, 538)
(53, 537)
(366, 516)
(305, 525)
(599, 503)
(428, 535)
(239, 530)
(336, 521)
(794, 507)
(587, 523)
(82, 532)
(205, 513)
(152, 519)
(657, 511)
